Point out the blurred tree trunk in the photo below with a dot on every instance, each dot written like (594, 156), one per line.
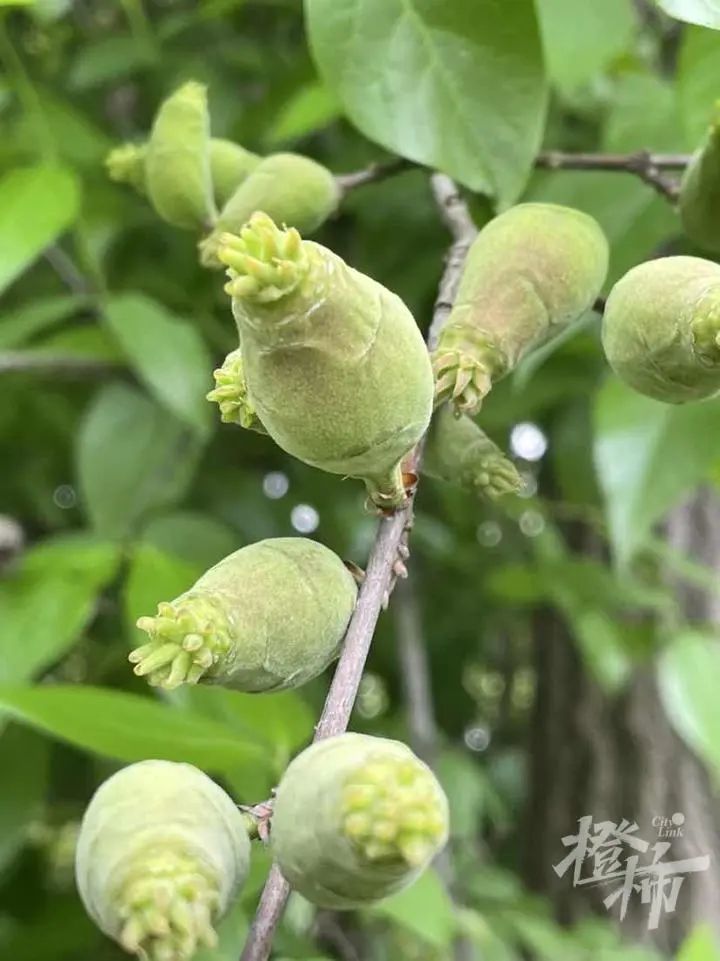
(618, 758)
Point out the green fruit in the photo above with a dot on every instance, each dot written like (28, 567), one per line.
(270, 616)
(335, 366)
(699, 200)
(292, 190)
(459, 452)
(661, 329)
(161, 854)
(229, 166)
(530, 272)
(177, 160)
(356, 818)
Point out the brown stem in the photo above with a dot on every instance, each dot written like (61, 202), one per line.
(647, 166)
(388, 546)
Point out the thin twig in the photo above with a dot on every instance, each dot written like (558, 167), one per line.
(374, 173)
(415, 675)
(647, 166)
(19, 361)
(643, 164)
(66, 269)
(386, 551)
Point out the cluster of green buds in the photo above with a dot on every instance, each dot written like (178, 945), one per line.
(268, 617)
(331, 364)
(210, 185)
(161, 855)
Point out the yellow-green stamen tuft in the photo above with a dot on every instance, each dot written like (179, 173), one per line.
(167, 904)
(188, 639)
(464, 366)
(126, 165)
(494, 477)
(392, 811)
(230, 393)
(264, 262)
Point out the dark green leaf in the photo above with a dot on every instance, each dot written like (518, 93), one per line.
(47, 602)
(25, 755)
(129, 727)
(168, 355)
(132, 457)
(19, 325)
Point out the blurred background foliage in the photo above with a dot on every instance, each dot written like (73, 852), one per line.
(119, 486)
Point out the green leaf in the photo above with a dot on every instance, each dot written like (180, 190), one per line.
(45, 605)
(86, 343)
(194, 537)
(705, 13)
(25, 755)
(36, 205)
(132, 457)
(687, 675)
(452, 84)
(153, 576)
(129, 727)
(310, 108)
(647, 455)
(700, 945)
(283, 721)
(424, 908)
(232, 933)
(580, 39)
(168, 355)
(697, 81)
(465, 784)
(19, 325)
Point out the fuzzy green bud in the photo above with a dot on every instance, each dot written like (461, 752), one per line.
(461, 453)
(161, 854)
(529, 273)
(699, 200)
(355, 819)
(291, 189)
(334, 364)
(230, 164)
(270, 616)
(177, 160)
(661, 329)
